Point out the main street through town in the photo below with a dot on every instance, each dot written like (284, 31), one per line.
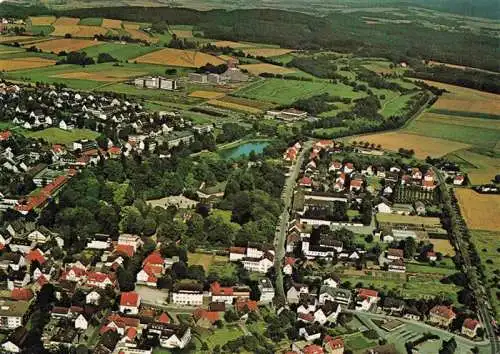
(280, 239)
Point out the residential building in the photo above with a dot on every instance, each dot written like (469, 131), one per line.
(365, 299)
(266, 290)
(338, 295)
(130, 302)
(441, 315)
(333, 345)
(12, 313)
(469, 327)
(189, 294)
(169, 335)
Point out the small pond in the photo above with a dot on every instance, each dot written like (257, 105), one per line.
(243, 149)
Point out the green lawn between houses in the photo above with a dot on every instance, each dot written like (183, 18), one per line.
(58, 136)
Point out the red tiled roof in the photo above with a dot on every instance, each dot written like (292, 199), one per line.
(367, 293)
(356, 183)
(218, 290)
(240, 250)
(305, 181)
(163, 318)
(37, 255)
(97, 277)
(396, 252)
(242, 304)
(5, 135)
(153, 258)
(211, 316)
(130, 298)
(334, 343)
(471, 323)
(21, 294)
(313, 349)
(290, 260)
(131, 333)
(309, 317)
(114, 150)
(443, 311)
(126, 250)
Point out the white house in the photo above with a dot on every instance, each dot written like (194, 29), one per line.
(187, 297)
(93, 298)
(81, 322)
(130, 302)
(384, 208)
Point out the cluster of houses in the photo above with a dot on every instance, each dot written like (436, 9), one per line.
(231, 75)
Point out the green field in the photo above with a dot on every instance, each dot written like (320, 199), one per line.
(395, 105)
(91, 21)
(119, 51)
(59, 136)
(358, 342)
(487, 245)
(287, 91)
(221, 336)
(470, 130)
(41, 30)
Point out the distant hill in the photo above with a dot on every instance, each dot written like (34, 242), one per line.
(475, 8)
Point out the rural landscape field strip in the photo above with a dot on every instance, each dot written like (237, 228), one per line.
(66, 44)
(479, 210)
(257, 69)
(179, 57)
(24, 63)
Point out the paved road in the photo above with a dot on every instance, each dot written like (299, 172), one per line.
(280, 239)
(462, 246)
(426, 328)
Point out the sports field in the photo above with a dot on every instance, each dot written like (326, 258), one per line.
(59, 136)
(24, 63)
(65, 44)
(257, 69)
(287, 91)
(178, 57)
(422, 145)
(480, 211)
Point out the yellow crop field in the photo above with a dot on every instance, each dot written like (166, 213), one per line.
(231, 44)
(78, 31)
(24, 63)
(234, 106)
(422, 145)
(109, 23)
(183, 33)
(66, 21)
(42, 20)
(257, 69)
(267, 52)
(443, 246)
(131, 25)
(178, 57)
(480, 211)
(12, 39)
(464, 99)
(66, 44)
(211, 95)
(136, 34)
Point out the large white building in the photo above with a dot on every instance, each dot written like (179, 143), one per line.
(188, 297)
(156, 82)
(12, 313)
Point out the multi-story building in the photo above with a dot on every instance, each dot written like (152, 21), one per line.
(190, 294)
(12, 313)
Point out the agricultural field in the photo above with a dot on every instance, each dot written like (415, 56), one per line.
(266, 52)
(230, 44)
(257, 69)
(183, 33)
(487, 246)
(59, 136)
(109, 23)
(474, 131)
(42, 20)
(78, 31)
(13, 39)
(394, 105)
(407, 219)
(234, 106)
(65, 44)
(461, 99)
(131, 25)
(422, 145)
(91, 21)
(480, 211)
(66, 21)
(287, 91)
(443, 246)
(209, 95)
(481, 169)
(24, 63)
(178, 57)
(121, 52)
(140, 35)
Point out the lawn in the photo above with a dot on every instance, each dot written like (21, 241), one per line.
(59, 136)
(120, 51)
(221, 336)
(358, 342)
(487, 246)
(428, 269)
(205, 260)
(287, 91)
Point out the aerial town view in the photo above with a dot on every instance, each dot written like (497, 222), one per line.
(282, 176)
